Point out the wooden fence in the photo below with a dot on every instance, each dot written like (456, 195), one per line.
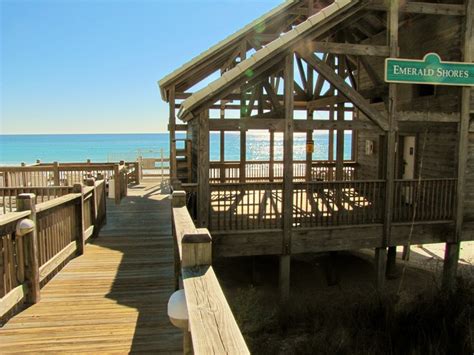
(255, 171)
(319, 204)
(68, 174)
(258, 205)
(60, 228)
(8, 195)
(425, 200)
(213, 329)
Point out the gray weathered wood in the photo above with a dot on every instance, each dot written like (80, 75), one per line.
(27, 202)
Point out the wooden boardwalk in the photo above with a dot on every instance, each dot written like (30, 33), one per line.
(114, 297)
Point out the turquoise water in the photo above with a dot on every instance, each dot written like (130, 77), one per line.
(113, 147)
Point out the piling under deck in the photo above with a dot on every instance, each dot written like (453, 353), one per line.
(114, 297)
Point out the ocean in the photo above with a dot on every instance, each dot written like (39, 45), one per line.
(15, 149)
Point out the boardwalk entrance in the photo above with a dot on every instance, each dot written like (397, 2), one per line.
(113, 298)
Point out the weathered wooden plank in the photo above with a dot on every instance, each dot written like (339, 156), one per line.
(344, 88)
(213, 327)
(12, 298)
(57, 260)
(45, 206)
(350, 49)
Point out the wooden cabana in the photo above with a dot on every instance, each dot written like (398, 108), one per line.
(409, 179)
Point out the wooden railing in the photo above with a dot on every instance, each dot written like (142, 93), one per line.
(256, 206)
(60, 228)
(424, 200)
(320, 204)
(68, 174)
(213, 329)
(229, 172)
(8, 195)
(243, 206)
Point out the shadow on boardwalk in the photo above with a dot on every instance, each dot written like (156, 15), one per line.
(114, 297)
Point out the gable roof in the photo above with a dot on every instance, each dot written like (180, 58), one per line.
(262, 56)
(222, 45)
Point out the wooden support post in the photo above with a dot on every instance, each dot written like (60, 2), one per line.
(380, 260)
(284, 278)
(172, 129)
(203, 170)
(117, 187)
(56, 174)
(450, 266)
(80, 240)
(391, 271)
(243, 155)
(27, 202)
(222, 147)
(309, 154)
(271, 167)
(287, 178)
(309, 112)
(196, 248)
(340, 132)
(392, 22)
(178, 199)
(452, 247)
(138, 172)
(95, 202)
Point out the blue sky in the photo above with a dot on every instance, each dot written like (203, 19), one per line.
(91, 66)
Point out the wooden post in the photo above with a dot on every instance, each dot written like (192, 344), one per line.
(117, 191)
(178, 199)
(271, 167)
(196, 251)
(56, 175)
(287, 179)
(340, 132)
(391, 271)
(196, 248)
(309, 155)
(451, 256)
(27, 202)
(172, 129)
(203, 171)
(222, 147)
(243, 155)
(380, 261)
(392, 22)
(284, 278)
(138, 172)
(91, 183)
(80, 241)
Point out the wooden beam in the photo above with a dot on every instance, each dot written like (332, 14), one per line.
(417, 116)
(392, 20)
(287, 178)
(452, 248)
(277, 124)
(353, 96)
(325, 101)
(203, 170)
(350, 49)
(272, 95)
(424, 8)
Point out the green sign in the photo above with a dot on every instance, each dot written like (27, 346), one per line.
(430, 70)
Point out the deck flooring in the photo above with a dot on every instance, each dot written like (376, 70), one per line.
(113, 298)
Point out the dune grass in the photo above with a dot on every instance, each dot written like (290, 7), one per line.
(359, 322)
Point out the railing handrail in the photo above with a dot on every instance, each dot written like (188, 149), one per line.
(314, 162)
(200, 282)
(55, 252)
